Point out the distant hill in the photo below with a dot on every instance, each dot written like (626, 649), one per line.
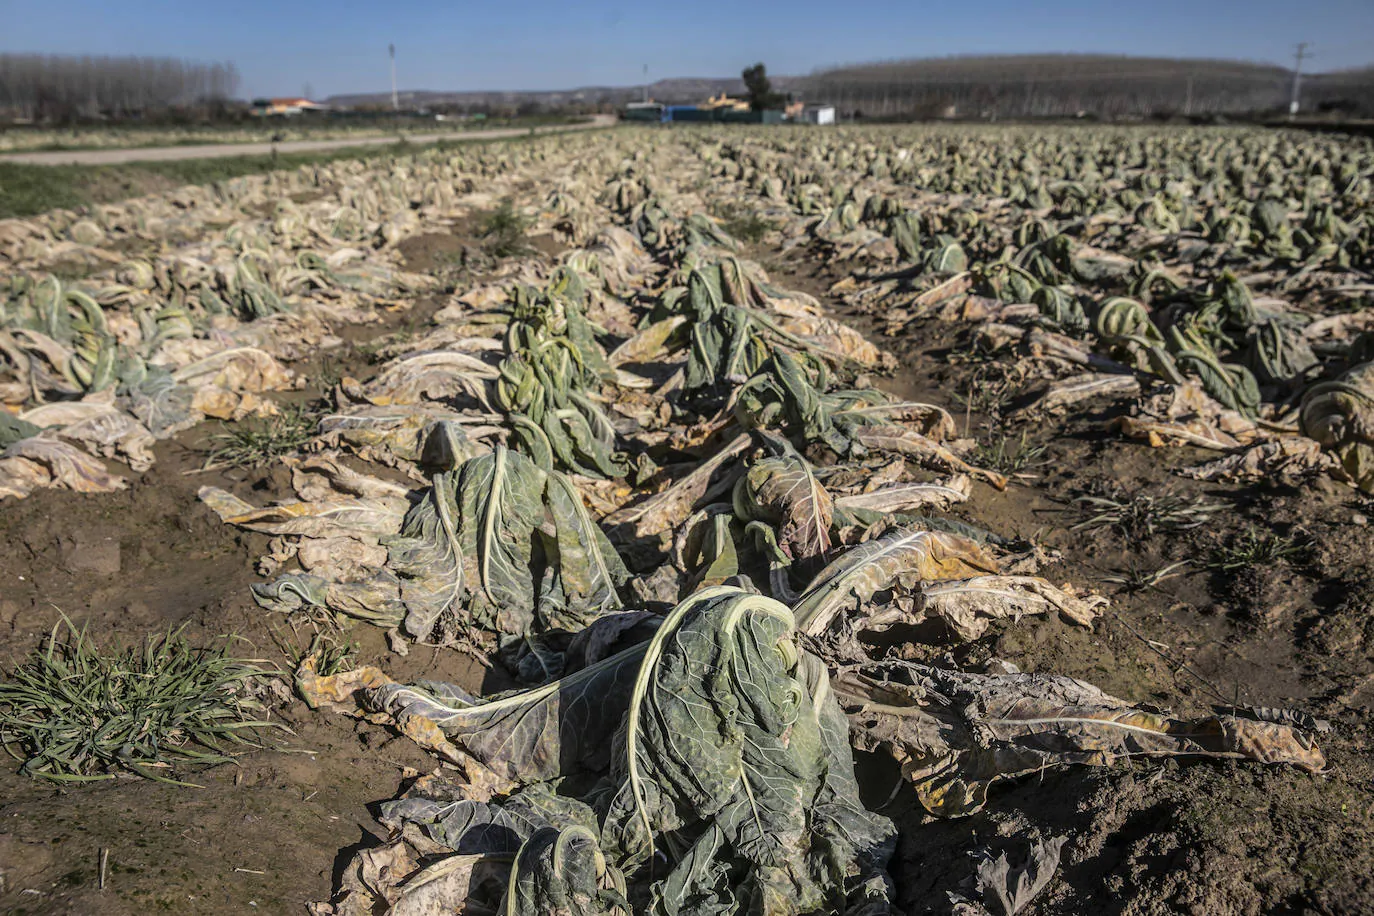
(1000, 86)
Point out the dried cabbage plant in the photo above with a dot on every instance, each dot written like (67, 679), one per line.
(671, 495)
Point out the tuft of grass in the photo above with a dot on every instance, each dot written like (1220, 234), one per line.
(257, 443)
(1007, 458)
(1138, 578)
(1141, 515)
(370, 350)
(739, 221)
(503, 232)
(334, 658)
(989, 390)
(1255, 546)
(332, 371)
(750, 228)
(73, 713)
(331, 655)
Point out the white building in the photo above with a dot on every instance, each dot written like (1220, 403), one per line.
(819, 114)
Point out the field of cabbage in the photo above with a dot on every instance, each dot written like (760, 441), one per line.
(873, 520)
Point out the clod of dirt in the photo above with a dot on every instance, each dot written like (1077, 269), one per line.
(92, 552)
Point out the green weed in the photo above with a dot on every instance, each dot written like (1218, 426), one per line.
(990, 389)
(1141, 515)
(1007, 456)
(750, 228)
(1137, 578)
(257, 443)
(1255, 546)
(332, 656)
(73, 713)
(503, 232)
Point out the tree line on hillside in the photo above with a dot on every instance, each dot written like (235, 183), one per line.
(62, 88)
(1070, 85)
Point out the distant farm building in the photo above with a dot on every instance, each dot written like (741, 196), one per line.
(723, 102)
(818, 114)
(286, 108)
(718, 109)
(644, 111)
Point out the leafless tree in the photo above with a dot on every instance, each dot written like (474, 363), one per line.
(49, 87)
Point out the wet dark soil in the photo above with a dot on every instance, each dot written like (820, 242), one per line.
(464, 249)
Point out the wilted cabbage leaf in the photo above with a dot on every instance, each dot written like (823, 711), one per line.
(585, 570)
(376, 600)
(901, 440)
(496, 545)
(499, 503)
(436, 376)
(564, 872)
(340, 515)
(853, 578)
(529, 736)
(427, 557)
(37, 463)
(955, 733)
(546, 382)
(393, 435)
(674, 505)
(509, 543)
(732, 743)
(1340, 415)
(718, 744)
(12, 429)
(904, 497)
(782, 490)
(1008, 889)
(792, 394)
(969, 605)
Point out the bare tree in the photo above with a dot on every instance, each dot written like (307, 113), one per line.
(48, 87)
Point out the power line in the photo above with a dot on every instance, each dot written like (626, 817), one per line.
(1297, 77)
(395, 102)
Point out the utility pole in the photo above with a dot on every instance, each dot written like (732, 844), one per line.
(1297, 78)
(1188, 99)
(646, 83)
(395, 101)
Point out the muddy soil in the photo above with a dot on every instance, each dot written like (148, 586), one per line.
(462, 250)
(271, 832)
(267, 834)
(261, 834)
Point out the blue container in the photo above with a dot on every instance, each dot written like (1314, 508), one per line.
(688, 113)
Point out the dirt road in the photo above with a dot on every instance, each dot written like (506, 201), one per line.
(223, 150)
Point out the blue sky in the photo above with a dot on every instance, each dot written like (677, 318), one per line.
(337, 46)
